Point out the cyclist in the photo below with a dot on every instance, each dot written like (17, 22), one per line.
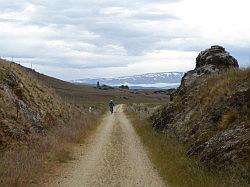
(111, 106)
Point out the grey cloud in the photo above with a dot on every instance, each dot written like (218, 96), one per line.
(84, 34)
(155, 16)
(12, 5)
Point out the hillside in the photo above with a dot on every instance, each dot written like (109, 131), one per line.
(87, 96)
(41, 117)
(27, 106)
(163, 80)
(210, 113)
(36, 96)
(36, 125)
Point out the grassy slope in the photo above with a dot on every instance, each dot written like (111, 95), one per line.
(169, 157)
(216, 92)
(219, 96)
(212, 118)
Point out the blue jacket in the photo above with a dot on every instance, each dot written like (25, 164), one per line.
(111, 104)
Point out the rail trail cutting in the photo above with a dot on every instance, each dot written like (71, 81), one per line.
(113, 156)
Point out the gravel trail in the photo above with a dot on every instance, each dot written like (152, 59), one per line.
(114, 156)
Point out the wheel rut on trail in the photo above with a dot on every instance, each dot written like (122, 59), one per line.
(114, 156)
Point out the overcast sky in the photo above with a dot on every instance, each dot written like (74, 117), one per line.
(72, 39)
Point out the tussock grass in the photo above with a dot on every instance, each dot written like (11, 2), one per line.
(176, 168)
(228, 119)
(217, 86)
(26, 163)
(216, 90)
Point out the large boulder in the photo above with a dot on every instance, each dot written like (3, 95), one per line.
(213, 60)
(217, 56)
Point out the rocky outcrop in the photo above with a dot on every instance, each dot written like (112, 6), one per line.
(217, 56)
(210, 112)
(213, 60)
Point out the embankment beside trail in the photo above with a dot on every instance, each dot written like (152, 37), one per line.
(209, 115)
(37, 127)
(170, 158)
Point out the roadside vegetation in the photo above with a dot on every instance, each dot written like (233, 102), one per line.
(170, 158)
(27, 163)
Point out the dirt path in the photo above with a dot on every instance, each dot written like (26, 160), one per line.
(113, 157)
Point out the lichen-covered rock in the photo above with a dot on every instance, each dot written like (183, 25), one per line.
(223, 148)
(213, 60)
(191, 76)
(29, 114)
(216, 56)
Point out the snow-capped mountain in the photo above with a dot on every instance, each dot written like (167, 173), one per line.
(163, 80)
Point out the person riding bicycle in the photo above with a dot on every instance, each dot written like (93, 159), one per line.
(111, 106)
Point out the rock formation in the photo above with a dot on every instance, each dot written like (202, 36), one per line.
(210, 111)
(213, 60)
(216, 56)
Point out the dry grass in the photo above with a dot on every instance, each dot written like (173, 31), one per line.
(220, 101)
(215, 87)
(25, 164)
(169, 157)
(228, 119)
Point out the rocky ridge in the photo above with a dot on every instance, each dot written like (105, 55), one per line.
(210, 112)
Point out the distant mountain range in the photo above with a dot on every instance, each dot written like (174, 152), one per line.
(163, 80)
